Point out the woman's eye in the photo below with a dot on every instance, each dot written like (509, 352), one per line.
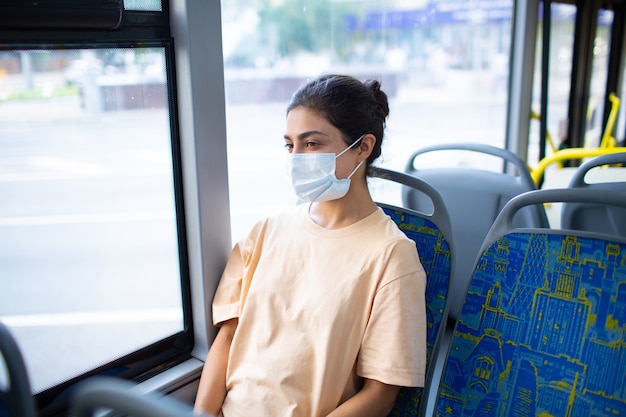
(311, 144)
(289, 147)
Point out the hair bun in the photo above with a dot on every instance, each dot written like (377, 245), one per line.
(380, 96)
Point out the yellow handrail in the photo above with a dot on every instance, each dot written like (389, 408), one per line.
(570, 153)
(607, 145)
(608, 140)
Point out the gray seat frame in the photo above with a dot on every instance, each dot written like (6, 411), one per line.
(596, 217)
(17, 398)
(99, 395)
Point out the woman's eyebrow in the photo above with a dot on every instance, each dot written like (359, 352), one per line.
(305, 135)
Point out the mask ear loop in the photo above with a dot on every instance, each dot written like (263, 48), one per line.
(356, 169)
(345, 150)
(349, 147)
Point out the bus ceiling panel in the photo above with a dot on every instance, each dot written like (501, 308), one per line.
(66, 14)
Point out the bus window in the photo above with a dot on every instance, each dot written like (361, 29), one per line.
(443, 64)
(88, 220)
(92, 244)
(559, 79)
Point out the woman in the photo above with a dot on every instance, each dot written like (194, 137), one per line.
(321, 308)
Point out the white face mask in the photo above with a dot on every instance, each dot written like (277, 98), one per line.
(313, 176)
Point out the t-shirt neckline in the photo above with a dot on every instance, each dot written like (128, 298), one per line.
(359, 226)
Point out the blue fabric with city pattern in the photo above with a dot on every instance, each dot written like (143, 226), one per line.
(542, 331)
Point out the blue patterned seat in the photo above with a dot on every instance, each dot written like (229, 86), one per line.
(543, 324)
(431, 233)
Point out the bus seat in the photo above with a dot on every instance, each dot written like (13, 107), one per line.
(473, 198)
(431, 233)
(16, 398)
(593, 175)
(541, 327)
(556, 177)
(121, 397)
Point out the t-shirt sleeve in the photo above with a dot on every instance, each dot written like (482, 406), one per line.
(226, 303)
(393, 350)
(235, 281)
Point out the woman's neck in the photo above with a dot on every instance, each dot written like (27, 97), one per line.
(336, 214)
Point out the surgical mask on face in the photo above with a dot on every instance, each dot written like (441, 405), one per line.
(313, 176)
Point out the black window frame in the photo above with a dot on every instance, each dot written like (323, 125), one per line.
(135, 29)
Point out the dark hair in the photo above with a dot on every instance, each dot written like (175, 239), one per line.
(354, 107)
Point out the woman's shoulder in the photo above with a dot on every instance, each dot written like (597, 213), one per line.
(390, 227)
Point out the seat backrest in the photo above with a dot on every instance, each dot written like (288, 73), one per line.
(594, 217)
(16, 398)
(431, 234)
(541, 329)
(123, 398)
(473, 198)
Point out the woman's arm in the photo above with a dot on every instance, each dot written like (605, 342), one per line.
(212, 387)
(375, 399)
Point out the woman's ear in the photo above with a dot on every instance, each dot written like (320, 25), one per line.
(366, 146)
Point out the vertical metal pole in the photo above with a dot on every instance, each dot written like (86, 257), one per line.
(582, 60)
(616, 58)
(545, 75)
(521, 68)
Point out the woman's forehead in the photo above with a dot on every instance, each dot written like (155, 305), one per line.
(300, 120)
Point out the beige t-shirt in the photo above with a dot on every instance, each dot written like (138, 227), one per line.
(318, 309)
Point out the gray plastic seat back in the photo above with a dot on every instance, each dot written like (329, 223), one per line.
(16, 398)
(596, 217)
(119, 397)
(473, 198)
